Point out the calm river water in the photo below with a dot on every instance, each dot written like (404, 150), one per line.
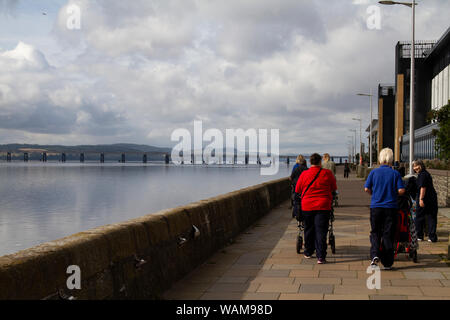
(43, 202)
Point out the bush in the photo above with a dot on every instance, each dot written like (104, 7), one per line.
(437, 164)
(442, 116)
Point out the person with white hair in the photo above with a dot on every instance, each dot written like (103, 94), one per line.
(384, 185)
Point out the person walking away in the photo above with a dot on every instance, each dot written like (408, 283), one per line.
(328, 164)
(384, 185)
(426, 199)
(315, 187)
(346, 169)
(299, 167)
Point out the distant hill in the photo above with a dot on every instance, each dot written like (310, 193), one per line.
(106, 148)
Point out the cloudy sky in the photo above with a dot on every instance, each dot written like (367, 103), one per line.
(137, 70)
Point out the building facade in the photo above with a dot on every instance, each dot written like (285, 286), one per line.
(433, 93)
(432, 84)
(403, 89)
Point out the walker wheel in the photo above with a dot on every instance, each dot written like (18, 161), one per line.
(299, 244)
(415, 256)
(332, 242)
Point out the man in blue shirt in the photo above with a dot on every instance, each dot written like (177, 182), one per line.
(384, 185)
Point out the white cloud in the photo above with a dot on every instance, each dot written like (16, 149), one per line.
(23, 56)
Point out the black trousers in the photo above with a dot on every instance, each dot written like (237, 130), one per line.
(316, 229)
(383, 222)
(346, 173)
(429, 213)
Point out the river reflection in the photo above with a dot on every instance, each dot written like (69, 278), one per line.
(42, 202)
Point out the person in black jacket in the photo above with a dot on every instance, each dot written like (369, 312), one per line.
(346, 169)
(427, 206)
(296, 172)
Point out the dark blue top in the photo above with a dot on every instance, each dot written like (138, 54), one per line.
(424, 180)
(295, 167)
(384, 183)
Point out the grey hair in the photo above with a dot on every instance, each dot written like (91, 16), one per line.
(419, 163)
(386, 156)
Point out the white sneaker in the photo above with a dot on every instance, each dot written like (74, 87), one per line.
(418, 239)
(429, 240)
(375, 261)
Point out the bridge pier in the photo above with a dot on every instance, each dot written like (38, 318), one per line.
(81, 157)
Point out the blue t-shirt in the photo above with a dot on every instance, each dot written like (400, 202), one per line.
(385, 183)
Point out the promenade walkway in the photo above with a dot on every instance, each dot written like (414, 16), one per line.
(262, 263)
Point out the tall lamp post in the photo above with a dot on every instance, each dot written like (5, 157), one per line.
(370, 95)
(351, 149)
(412, 5)
(360, 140)
(354, 131)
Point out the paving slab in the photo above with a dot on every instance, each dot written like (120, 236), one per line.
(436, 292)
(424, 275)
(375, 297)
(278, 288)
(316, 288)
(301, 296)
(346, 297)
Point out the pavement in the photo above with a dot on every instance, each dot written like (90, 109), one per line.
(262, 263)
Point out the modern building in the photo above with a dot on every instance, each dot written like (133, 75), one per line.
(402, 85)
(433, 84)
(432, 92)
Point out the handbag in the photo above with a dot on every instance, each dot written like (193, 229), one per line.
(299, 199)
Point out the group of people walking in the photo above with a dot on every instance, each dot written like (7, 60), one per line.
(313, 189)
(385, 185)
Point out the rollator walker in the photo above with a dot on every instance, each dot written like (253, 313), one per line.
(301, 226)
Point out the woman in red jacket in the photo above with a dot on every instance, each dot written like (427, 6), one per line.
(316, 187)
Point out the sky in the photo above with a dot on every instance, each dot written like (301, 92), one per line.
(135, 71)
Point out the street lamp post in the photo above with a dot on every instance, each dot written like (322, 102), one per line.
(370, 95)
(412, 5)
(354, 131)
(351, 149)
(360, 140)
